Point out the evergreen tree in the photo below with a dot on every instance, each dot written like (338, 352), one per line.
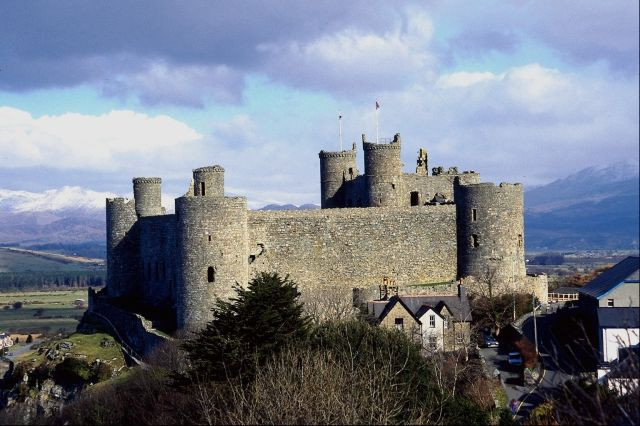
(244, 331)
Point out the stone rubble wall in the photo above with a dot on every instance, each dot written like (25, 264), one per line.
(355, 247)
(136, 331)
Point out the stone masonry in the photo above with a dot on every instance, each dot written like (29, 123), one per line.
(415, 228)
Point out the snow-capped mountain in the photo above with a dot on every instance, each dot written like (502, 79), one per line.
(52, 200)
(66, 216)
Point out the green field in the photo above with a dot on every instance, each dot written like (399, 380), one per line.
(44, 312)
(14, 261)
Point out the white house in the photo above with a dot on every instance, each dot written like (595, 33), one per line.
(611, 300)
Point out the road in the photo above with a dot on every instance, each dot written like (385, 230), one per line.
(21, 350)
(559, 361)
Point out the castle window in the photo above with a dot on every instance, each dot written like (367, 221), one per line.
(432, 321)
(415, 198)
(351, 170)
(399, 324)
(474, 215)
(459, 338)
(610, 303)
(393, 186)
(209, 237)
(202, 188)
(446, 321)
(211, 274)
(475, 242)
(519, 240)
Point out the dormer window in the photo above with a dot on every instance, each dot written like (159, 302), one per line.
(432, 321)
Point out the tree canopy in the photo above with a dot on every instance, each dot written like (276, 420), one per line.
(254, 324)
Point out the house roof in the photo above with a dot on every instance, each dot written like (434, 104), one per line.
(391, 303)
(418, 305)
(619, 317)
(424, 309)
(624, 271)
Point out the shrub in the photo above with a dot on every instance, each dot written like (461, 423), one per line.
(101, 372)
(17, 305)
(72, 371)
(253, 325)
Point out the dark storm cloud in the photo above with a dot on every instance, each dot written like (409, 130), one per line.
(64, 43)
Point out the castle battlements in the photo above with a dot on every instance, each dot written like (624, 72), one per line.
(415, 227)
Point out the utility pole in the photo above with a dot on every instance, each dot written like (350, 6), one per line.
(535, 326)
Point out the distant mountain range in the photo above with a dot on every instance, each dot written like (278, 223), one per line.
(595, 208)
(290, 207)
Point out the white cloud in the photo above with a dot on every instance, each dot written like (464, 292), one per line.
(464, 79)
(530, 123)
(107, 142)
(352, 61)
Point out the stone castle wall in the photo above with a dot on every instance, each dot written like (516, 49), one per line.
(355, 247)
(122, 245)
(383, 173)
(147, 193)
(336, 168)
(186, 260)
(490, 231)
(211, 255)
(158, 268)
(428, 186)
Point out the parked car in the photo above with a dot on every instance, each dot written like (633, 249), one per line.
(514, 358)
(488, 341)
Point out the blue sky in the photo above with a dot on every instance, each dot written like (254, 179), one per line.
(92, 94)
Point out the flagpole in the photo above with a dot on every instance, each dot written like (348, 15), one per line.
(377, 108)
(340, 129)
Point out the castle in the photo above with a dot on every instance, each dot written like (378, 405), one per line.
(416, 228)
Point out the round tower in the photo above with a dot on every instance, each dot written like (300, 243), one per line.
(335, 169)
(212, 255)
(122, 247)
(208, 181)
(383, 172)
(490, 228)
(147, 194)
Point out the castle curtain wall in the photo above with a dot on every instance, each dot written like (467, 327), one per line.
(355, 247)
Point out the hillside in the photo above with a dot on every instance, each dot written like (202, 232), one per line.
(591, 209)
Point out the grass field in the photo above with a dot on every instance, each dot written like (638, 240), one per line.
(20, 261)
(44, 312)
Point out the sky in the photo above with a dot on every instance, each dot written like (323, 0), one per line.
(95, 93)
